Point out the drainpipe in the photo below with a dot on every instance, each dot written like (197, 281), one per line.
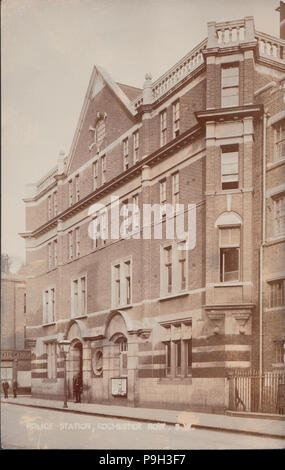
(261, 256)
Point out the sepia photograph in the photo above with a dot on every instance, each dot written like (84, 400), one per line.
(143, 227)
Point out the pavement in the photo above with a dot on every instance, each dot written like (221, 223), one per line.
(243, 424)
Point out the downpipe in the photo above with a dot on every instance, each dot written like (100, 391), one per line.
(261, 256)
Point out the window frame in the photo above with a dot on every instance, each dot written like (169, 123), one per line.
(77, 188)
(280, 352)
(230, 180)
(279, 298)
(126, 163)
(121, 278)
(77, 242)
(70, 245)
(279, 141)
(95, 174)
(176, 118)
(103, 169)
(136, 146)
(49, 305)
(122, 342)
(55, 253)
(79, 307)
(51, 359)
(70, 192)
(175, 188)
(55, 208)
(177, 347)
(50, 255)
(100, 132)
(176, 269)
(163, 127)
(226, 247)
(277, 200)
(227, 87)
(49, 202)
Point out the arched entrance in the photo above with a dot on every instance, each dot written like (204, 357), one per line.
(75, 363)
(74, 358)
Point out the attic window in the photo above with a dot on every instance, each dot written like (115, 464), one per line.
(99, 131)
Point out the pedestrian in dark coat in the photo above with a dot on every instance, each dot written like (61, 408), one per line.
(15, 385)
(5, 386)
(77, 388)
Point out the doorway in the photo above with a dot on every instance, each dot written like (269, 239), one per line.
(75, 363)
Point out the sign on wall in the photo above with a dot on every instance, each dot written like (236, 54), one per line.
(11, 355)
(119, 386)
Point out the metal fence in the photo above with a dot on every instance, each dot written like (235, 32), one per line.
(258, 393)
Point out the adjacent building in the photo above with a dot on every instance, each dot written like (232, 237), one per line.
(15, 353)
(153, 321)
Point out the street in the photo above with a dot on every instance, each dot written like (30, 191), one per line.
(24, 427)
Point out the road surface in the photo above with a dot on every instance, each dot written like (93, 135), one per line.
(34, 428)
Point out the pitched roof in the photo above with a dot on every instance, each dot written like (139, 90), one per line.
(131, 91)
(99, 78)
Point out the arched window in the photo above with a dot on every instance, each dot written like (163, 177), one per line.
(97, 362)
(229, 224)
(229, 254)
(122, 342)
(99, 131)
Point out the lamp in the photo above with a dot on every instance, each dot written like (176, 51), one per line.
(64, 345)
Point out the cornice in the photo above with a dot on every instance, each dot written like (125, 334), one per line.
(44, 191)
(226, 113)
(222, 307)
(273, 63)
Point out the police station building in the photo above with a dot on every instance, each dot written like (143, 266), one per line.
(152, 321)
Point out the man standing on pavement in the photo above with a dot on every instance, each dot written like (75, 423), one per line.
(5, 386)
(77, 388)
(15, 388)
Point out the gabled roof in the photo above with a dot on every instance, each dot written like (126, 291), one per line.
(100, 78)
(131, 91)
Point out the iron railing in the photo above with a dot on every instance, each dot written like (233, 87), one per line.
(257, 393)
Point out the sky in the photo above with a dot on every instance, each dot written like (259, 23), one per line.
(49, 48)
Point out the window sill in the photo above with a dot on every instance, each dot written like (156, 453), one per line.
(275, 309)
(176, 380)
(280, 365)
(173, 296)
(49, 324)
(77, 317)
(118, 307)
(275, 164)
(228, 284)
(277, 239)
(229, 191)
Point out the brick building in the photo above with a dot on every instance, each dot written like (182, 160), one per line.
(15, 354)
(151, 323)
